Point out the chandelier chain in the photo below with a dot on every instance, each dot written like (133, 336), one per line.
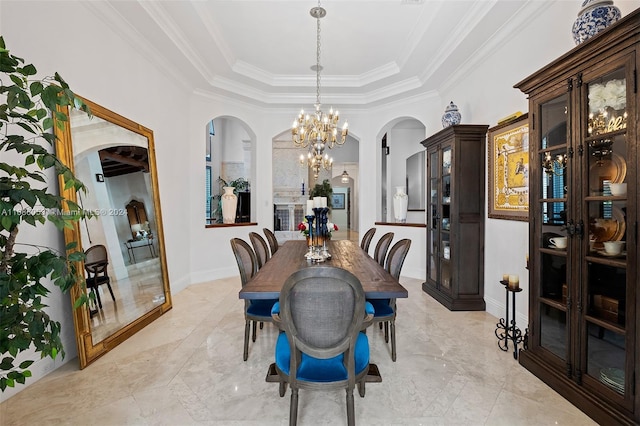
(318, 130)
(318, 62)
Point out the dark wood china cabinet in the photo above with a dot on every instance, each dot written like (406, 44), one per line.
(582, 336)
(455, 216)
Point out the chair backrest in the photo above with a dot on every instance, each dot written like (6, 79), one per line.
(381, 248)
(245, 258)
(260, 247)
(96, 259)
(396, 256)
(322, 310)
(366, 239)
(271, 238)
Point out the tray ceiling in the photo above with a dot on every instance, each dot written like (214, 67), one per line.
(373, 51)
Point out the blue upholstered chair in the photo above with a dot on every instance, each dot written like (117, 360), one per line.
(254, 310)
(321, 312)
(385, 309)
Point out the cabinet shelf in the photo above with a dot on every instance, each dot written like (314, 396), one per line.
(606, 198)
(608, 325)
(607, 135)
(556, 303)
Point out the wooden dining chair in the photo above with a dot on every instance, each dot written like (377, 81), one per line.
(380, 252)
(96, 262)
(271, 239)
(321, 311)
(385, 309)
(254, 310)
(366, 239)
(260, 247)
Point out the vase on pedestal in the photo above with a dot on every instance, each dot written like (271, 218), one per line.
(229, 205)
(593, 17)
(400, 203)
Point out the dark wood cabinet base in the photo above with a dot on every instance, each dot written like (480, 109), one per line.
(457, 304)
(591, 405)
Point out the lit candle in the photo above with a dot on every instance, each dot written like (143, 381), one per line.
(505, 277)
(309, 207)
(514, 282)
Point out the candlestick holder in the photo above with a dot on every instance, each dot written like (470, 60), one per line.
(506, 329)
(309, 254)
(320, 235)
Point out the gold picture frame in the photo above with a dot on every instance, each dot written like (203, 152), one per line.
(508, 164)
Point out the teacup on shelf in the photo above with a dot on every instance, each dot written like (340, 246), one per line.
(613, 247)
(618, 189)
(558, 242)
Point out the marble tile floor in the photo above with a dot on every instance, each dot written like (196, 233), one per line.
(186, 368)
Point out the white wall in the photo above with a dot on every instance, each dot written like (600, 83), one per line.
(109, 70)
(106, 69)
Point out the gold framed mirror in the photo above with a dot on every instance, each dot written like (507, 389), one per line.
(126, 268)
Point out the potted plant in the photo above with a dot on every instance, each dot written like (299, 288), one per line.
(322, 190)
(29, 109)
(240, 184)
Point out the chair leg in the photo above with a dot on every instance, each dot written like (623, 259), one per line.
(283, 388)
(111, 291)
(393, 341)
(247, 326)
(351, 421)
(293, 409)
(386, 331)
(253, 337)
(261, 325)
(96, 291)
(361, 387)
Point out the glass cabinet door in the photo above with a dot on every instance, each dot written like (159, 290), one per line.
(432, 222)
(445, 220)
(554, 288)
(439, 220)
(604, 204)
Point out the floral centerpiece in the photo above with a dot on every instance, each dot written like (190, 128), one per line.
(303, 227)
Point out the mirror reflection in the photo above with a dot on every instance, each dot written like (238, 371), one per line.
(124, 266)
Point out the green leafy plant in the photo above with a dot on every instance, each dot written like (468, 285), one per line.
(29, 109)
(240, 184)
(322, 190)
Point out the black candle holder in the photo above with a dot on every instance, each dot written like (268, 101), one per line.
(506, 329)
(320, 234)
(310, 219)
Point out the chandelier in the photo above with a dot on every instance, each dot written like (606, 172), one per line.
(319, 130)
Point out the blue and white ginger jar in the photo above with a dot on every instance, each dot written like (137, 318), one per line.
(451, 115)
(593, 17)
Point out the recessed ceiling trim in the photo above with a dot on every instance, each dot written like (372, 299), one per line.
(258, 74)
(518, 20)
(418, 33)
(212, 29)
(128, 33)
(164, 21)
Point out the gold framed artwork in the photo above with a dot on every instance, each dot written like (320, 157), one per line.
(508, 164)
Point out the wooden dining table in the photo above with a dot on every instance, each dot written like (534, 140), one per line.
(376, 282)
